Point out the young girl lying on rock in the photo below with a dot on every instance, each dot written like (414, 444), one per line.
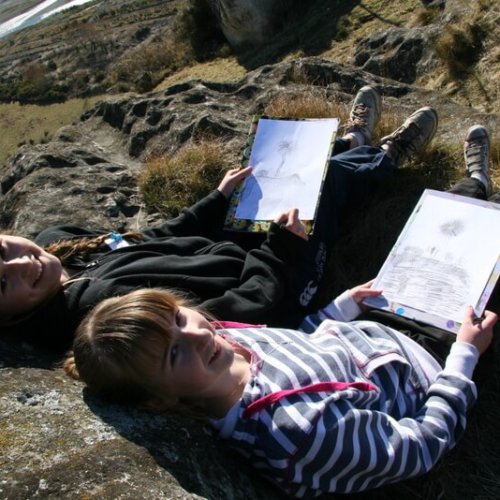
(349, 407)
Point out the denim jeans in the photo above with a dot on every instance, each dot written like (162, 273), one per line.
(351, 177)
(473, 188)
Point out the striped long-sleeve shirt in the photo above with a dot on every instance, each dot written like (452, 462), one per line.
(347, 408)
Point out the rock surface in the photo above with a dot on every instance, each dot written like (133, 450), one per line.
(56, 444)
(248, 21)
(93, 164)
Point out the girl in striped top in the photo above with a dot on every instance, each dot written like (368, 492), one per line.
(351, 406)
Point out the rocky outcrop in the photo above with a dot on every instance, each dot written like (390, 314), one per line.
(93, 164)
(395, 53)
(248, 22)
(57, 444)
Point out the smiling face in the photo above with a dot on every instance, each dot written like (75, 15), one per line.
(196, 363)
(147, 348)
(28, 275)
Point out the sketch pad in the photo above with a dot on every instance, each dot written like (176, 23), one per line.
(446, 258)
(290, 159)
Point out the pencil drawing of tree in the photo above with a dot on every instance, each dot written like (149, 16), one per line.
(285, 147)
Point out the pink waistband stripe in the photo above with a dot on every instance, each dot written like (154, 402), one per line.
(272, 398)
(221, 325)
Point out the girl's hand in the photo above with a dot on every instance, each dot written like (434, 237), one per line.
(231, 179)
(291, 222)
(477, 331)
(358, 293)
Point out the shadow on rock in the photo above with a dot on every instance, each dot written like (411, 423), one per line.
(201, 464)
(324, 24)
(17, 352)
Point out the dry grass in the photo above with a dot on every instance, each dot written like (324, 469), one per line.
(169, 183)
(467, 50)
(146, 65)
(424, 17)
(313, 104)
(23, 124)
(460, 47)
(223, 69)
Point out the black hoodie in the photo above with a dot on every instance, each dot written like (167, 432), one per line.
(188, 254)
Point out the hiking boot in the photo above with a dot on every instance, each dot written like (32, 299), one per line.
(440, 4)
(365, 113)
(416, 132)
(477, 155)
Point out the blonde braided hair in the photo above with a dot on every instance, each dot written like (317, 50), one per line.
(67, 249)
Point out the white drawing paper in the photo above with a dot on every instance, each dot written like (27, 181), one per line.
(443, 259)
(288, 159)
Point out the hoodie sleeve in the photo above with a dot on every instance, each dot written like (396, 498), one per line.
(202, 219)
(343, 308)
(266, 278)
(331, 445)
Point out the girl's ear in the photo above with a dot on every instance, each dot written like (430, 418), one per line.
(159, 405)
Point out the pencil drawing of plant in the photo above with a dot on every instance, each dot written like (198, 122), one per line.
(285, 147)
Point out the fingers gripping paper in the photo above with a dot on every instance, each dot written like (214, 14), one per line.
(446, 258)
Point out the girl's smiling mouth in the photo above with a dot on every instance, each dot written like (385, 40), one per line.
(39, 272)
(216, 353)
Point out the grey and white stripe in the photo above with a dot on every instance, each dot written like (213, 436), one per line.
(349, 440)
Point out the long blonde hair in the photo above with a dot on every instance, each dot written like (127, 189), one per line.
(114, 344)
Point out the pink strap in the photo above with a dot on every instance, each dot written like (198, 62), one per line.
(221, 325)
(272, 398)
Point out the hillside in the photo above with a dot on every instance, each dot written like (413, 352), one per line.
(104, 48)
(74, 53)
(81, 52)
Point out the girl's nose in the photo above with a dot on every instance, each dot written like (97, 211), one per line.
(20, 265)
(198, 336)
(20, 261)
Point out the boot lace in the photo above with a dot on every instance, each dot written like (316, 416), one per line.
(404, 140)
(358, 116)
(475, 155)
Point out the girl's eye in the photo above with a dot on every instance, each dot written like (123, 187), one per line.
(173, 355)
(179, 318)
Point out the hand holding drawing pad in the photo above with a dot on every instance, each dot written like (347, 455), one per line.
(290, 160)
(436, 267)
